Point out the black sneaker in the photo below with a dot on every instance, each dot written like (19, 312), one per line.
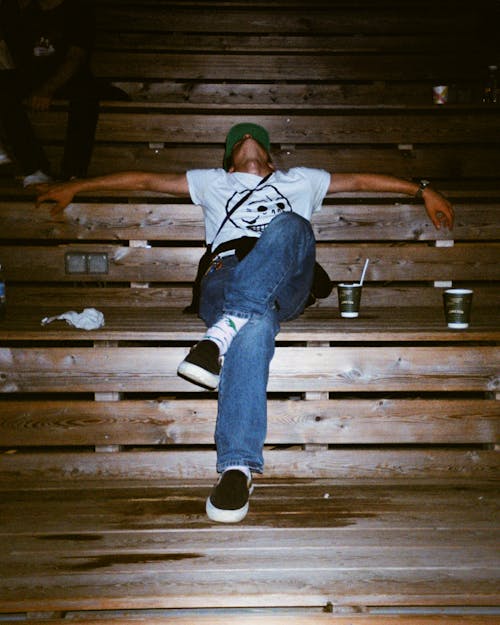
(202, 365)
(228, 501)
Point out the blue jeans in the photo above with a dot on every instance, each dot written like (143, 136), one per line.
(271, 284)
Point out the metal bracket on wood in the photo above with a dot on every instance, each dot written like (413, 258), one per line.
(287, 148)
(107, 396)
(406, 150)
(156, 146)
(145, 245)
(315, 447)
(443, 284)
(316, 396)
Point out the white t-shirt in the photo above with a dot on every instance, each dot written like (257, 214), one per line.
(300, 190)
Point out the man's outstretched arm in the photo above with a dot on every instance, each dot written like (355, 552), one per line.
(62, 194)
(437, 206)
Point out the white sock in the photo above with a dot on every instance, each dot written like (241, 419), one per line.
(240, 467)
(224, 331)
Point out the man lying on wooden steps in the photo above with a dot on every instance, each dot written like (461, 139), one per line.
(257, 273)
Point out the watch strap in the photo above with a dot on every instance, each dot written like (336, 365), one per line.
(422, 185)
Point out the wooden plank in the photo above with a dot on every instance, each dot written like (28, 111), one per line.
(189, 560)
(431, 161)
(192, 421)
(167, 222)
(40, 468)
(337, 66)
(164, 323)
(350, 508)
(316, 19)
(319, 43)
(184, 221)
(372, 93)
(41, 298)
(297, 369)
(264, 92)
(135, 541)
(466, 262)
(69, 297)
(288, 619)
(267, 589)
(403, 221)
(429, 125)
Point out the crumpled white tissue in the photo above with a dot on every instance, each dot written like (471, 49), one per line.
(88, 319)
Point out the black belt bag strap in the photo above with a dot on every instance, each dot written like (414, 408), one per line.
(241, 248)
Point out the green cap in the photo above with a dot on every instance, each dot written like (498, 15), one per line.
(237, 133)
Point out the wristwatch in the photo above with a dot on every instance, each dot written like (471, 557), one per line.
(423, 184)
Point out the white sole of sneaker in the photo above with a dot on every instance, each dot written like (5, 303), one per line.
(198, 375)
(225, 516)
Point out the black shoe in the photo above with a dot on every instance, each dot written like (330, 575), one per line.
(202, 365)
(228, 501)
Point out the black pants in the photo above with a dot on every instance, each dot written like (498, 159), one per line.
(83, 96)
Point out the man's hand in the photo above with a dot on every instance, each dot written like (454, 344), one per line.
(60, 195)
(438, 208)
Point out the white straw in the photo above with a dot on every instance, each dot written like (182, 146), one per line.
(364, 271)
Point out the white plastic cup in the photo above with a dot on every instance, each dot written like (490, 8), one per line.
(349, 299)
(440, 94)
(457, 307)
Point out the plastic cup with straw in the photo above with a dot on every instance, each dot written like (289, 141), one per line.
(350, 295)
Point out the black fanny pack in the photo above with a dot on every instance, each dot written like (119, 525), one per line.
(321, 286)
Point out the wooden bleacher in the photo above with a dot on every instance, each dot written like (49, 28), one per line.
(379, 501)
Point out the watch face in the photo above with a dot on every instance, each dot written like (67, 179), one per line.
(424, 183)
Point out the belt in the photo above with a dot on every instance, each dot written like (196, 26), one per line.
(240, 247)
(224, 254)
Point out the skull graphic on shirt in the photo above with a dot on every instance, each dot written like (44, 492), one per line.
(256, 214)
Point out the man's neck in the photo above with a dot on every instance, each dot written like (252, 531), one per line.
(254, 166)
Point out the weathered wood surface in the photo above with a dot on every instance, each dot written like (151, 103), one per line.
(413, 262)
(320, 17)
(45, 298)
(293, 369)
(42, 468)
(178, 421)
(152, 547)
(180, 221)
(370, 93)
(343, 126)
(131, 322)
(441, 163)
(306, 66)
(346, 87)
(420, 44)
(275, 619)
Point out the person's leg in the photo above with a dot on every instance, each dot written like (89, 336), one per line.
(276, 280)
(273, 283)
(242, 408)
(17, 129)
(277, 273)
(83, 114)
(242, 402)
